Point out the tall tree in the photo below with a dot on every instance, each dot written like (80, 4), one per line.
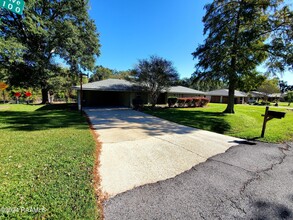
(236, 35)
(155, 75)
(47, 29)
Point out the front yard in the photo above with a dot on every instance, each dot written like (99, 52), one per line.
(245, 123)
(46, 164)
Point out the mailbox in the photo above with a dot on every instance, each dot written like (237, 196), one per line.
(275, 114)
(269, 115)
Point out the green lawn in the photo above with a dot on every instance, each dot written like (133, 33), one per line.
(246, 123)
(46, 164)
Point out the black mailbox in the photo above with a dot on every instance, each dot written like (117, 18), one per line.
(276, 114)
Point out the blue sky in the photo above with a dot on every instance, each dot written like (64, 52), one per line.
(136, 29)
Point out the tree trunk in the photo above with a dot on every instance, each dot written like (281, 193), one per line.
(230, 107)
(232, 75)
(3, 97)
(45, 96)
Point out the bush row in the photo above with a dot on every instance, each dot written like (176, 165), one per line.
(188, 102)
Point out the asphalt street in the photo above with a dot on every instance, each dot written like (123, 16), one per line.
(248, 181)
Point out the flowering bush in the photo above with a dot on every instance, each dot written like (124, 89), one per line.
(28, 94)
(188, 102)
(17, 94)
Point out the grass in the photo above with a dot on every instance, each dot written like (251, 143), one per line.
(46, 164)
(246, 123)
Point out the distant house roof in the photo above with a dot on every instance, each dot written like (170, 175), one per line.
(275, 95)
(257, 94)
(184, 90)
(225, 92)
(115, 85)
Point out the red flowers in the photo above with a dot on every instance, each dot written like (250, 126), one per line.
(17, 94)
(28, 94)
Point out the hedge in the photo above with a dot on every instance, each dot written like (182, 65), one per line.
(188, 102)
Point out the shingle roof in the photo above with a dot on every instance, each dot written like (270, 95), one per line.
(117, 85)
(225, 92)
(120, 85)
(184, 90)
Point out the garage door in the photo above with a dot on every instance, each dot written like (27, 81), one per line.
(106, 99)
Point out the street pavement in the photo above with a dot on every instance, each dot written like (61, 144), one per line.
(139, 149)
(249, 181)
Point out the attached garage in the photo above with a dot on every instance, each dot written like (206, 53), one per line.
(109, 93)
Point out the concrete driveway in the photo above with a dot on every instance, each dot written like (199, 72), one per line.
(138, 149)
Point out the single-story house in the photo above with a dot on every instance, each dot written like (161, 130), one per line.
(118, 92)
(256, 96)
(179, 92)
(221, 96)
(275, 97)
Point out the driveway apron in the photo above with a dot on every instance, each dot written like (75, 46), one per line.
(138, 149)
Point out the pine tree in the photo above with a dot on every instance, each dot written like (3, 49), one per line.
(237, 34)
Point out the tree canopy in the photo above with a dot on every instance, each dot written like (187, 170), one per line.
(102, 73)
(238, 39)
(155, 75)
(47, 30)
(269, 86)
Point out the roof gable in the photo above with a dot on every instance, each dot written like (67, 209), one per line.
(225, 92)
(119, 85)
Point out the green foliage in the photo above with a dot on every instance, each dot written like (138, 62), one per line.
(155, 75)
(47, 29)
(284, 87)
(269, 86)
(251, 82)
(208, 85)
(102, 73)
(60, 85)
(280, 49)
(289, 97)
(48, 163)
(237, 35)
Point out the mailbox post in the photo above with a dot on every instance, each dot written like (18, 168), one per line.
(269, 115)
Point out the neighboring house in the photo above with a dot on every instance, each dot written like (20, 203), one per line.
(221, 96)
(179, 92)
(255, 96)
(117, 92)
(275, 97)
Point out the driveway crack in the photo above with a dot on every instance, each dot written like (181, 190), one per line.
(181, 147)
(258, 173)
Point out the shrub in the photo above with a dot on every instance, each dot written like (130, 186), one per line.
(188, 102)
(265, 103)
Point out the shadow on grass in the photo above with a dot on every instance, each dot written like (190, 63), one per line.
(211, 121)
(46, 117)
(63, 106)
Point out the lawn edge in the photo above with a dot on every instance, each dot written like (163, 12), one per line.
(96, 175)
